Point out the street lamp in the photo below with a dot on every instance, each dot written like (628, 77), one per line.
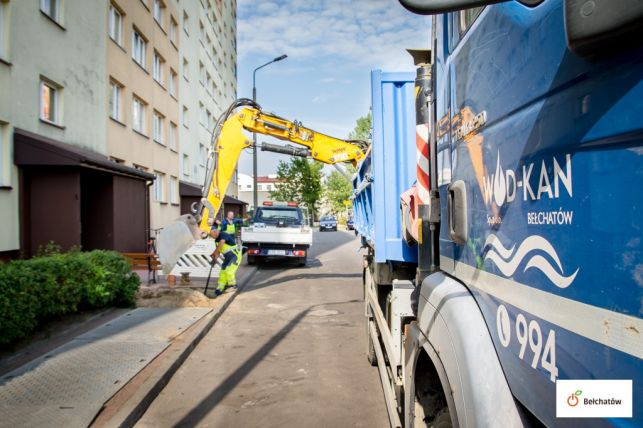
(254, 134)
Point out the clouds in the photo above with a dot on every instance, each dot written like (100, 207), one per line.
(332, 33)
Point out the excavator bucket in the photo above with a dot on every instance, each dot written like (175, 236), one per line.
(175, 239)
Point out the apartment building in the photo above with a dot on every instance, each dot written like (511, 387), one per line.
(105, 116)
(208, 84)
(56, 182)
(143, 91)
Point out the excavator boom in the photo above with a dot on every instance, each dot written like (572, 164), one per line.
(228, 141)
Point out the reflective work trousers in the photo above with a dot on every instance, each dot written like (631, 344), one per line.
(231, 262)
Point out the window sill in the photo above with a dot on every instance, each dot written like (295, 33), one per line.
(160, 143)
(160, 84)
(5, 62)
(174, 44)
(175, 204)
(54, 124)
(58, 24)
(162, 202)
(140, 133)
(141, 67)
(118, 121)
(5, 187)
(174, 96)
(117, 44)
(174, 150)
(160, 26)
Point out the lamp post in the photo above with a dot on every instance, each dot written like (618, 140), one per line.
(254, 134)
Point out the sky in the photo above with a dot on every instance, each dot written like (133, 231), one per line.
(332, 47)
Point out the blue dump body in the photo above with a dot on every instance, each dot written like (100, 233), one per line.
(388, 169)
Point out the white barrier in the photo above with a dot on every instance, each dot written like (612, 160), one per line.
(197, 260)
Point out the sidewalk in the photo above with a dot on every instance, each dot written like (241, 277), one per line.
(108, 375)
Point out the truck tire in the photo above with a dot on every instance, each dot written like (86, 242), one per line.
(370, 347)
(252, 260)
(430, 411)
(301, 261)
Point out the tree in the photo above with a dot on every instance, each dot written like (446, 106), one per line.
(363, 129)
(299, 181)
(337, 191)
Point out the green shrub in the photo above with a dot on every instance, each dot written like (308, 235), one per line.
(34, 290)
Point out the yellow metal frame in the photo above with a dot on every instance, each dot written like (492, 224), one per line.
(231, 141)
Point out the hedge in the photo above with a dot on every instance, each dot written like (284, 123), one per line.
(35, 290)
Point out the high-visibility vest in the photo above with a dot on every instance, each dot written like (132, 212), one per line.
(229, 228)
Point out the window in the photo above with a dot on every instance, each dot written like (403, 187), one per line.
(208, 82)
(115, 25)
(3, 6)
(467, 17)
(157, 67)
(185, 24)
(158, 12)
(201, 32)
(159, 194)
(208, 122)
(4, 155)
(201, 114)
(173, 27)
(186, 166)
(185, 69)
(174, 187)
(202, 155)
(139, 45)
(201, 73)
(173, 134)
(157, 127)
(138, 115)
(185, 117)
(116, 91)
(50, 102)
(51, 8)
(172, 83)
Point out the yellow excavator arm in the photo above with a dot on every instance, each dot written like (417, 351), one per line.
(227, 143)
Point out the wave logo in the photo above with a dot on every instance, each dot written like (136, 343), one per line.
(507, 260)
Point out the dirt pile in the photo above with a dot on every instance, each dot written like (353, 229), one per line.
(165, 297)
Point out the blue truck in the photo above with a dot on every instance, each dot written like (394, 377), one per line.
(523, 275)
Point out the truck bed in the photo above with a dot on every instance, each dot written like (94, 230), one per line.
(376, 200)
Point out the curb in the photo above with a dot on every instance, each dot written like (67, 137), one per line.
(161, 369)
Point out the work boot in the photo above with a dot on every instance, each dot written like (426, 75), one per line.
(217, 292)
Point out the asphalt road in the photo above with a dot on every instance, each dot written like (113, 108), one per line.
(288, 352)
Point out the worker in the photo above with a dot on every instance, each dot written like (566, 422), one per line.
(228, 225)
(226, 246)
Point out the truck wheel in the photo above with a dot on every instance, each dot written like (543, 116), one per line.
(370, 347)
(301, 261)
(252, 260)
(441, 420)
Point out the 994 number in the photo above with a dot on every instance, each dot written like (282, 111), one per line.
(529, 334)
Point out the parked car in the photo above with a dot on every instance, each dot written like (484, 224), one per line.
(350, 225)
(327, 223)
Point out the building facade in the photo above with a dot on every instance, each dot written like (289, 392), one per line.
(92, 131)
(265, 185)
(143, 108)
(208, 82)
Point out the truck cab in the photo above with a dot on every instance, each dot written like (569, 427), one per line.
(535, 149)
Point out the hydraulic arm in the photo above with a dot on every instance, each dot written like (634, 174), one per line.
(228, 140)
